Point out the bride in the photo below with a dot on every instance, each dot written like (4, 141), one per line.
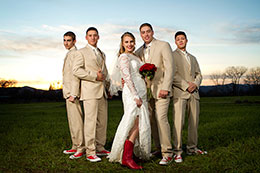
(133, 134)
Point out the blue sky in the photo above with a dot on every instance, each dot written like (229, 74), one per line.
(221, 33)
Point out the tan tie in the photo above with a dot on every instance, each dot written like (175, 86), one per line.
(99, 56)
(147, 53)
(187, 57)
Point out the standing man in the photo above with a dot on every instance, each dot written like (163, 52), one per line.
(159, 53)
(187, 80)
(90, 67)
(70, 89)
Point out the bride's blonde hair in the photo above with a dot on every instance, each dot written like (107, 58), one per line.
(122, 49)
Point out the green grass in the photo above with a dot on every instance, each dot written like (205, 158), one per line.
(33, 136)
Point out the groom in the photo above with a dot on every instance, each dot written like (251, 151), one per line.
(90, 67)
(159, 53)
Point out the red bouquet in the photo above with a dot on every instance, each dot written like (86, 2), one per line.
(147, 71)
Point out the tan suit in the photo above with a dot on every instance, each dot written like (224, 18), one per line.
(93, 93)
(71, 87)
(185, 72)
(161, 56)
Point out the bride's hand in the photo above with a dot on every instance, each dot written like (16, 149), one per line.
(138, 102)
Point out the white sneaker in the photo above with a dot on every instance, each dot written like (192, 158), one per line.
(103, 153)
(165, 161)
(93, 158)
(177, 158)
(71, 151)
(76, 155)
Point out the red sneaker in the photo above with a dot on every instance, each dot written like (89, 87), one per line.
(103, 153)
(178, 158)
(76, 155)
(165, 161)
(71, 151)
(93, 158)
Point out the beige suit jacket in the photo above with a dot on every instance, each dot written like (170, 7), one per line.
(161, 57)
(85, 67)
(70, 83)
(185, 73)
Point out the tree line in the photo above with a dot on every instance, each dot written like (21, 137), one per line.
(7, 83)
(235, 74)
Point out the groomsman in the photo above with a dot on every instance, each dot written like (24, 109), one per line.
(70, 89)
(187, 80)
(159, 53)
(90, 67)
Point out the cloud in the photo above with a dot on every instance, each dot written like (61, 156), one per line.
(240, 33)
(20, 43)
(46, 38)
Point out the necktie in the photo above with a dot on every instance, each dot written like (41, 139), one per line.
(187, 57)
(99, 56)
(147, 53)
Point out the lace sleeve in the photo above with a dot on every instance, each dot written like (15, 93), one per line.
(125, 71)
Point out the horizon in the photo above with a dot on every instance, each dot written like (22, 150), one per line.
(58, 84)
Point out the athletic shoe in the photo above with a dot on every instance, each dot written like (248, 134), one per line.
(103, 153)
(76, 155)
(178, 158)
(72, 151)
(93, 158)
(165, 161)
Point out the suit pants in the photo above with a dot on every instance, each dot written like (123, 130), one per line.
(95, 125)
(161, 132)
(180, 105)
(75, 120)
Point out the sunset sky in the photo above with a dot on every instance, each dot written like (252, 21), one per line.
(221, 33)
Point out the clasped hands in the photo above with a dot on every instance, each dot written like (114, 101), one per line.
(192, 87)
(100, 76)
(72, 99)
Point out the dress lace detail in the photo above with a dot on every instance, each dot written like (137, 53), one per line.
(124, 65)
(134, 87)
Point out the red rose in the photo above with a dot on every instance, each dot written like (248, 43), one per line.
(148, 70)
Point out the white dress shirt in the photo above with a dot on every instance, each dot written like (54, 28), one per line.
(186, 55)
(147, 51)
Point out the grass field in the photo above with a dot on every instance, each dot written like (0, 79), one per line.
(33, 136)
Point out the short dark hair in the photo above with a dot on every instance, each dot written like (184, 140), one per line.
(180, 33)
(71, 34)
(146, 24)
(91, 29)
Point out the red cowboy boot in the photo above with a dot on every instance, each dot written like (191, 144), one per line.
(127, 159)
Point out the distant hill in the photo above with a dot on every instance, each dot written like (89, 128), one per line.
(29, 94)
(229, 90)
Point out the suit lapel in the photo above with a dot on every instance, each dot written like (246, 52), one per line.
(153, 46)
(142, 53)
(66, 57)
(191, 62)
(103, 59)
(184, 61)
(93, 54)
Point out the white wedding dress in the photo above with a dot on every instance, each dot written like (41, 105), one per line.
(134, 87)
